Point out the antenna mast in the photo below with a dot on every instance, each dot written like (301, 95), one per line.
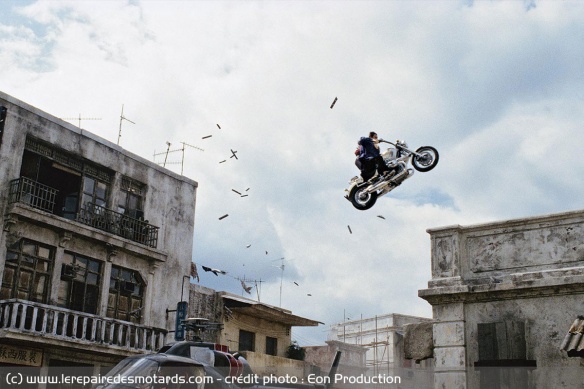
(80, 118)
(122, 118)
(168, 151)
(183, 155)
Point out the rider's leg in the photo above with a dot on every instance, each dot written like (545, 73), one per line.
(368, 169)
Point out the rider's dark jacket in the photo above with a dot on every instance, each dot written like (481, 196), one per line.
(368, 149)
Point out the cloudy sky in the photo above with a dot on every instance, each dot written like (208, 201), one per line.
(496, 86)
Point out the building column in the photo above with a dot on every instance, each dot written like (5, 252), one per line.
(450, 370)
(44, 369)
(3, 245)
(149, 293)
(107, 272)
(64, 238)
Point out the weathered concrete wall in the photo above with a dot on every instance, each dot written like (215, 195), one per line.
(532, 244)
(547, 320)
(418, 341)
(528, 271)
(265, 365)
(205, 303)
(351, 363)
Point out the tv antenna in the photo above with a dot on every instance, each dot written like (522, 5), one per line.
(183, 155)
(166, 157)
(255, 282)
(122, 118)
(168, 151)
(281, 267)
(80, 119)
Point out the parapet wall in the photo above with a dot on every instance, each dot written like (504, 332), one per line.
(475, 254)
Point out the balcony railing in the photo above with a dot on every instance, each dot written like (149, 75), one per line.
(64, 324)
(40, 196)
(35, 194)
(116, 223)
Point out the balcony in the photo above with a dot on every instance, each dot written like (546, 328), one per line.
(119, 224)
(51, 322)
(32, 193)
(35, 194)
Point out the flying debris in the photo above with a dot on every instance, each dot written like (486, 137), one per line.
(248, 246)
(223, 161)
(233, 154)
(218, 126)
(333, 104)
(308, 294)
(214, 271)
(244, 195)
(266, 253)
(194, 272)
(381, 217)
(349, 227)
(224, 216)
(236, 192)
(296, 283)
(246, 288)
(208, 136)
(247, 189)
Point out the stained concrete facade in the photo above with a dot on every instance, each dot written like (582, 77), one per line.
(91, 234)
(504, 295)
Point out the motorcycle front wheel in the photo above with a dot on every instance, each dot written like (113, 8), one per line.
(361, 199)
(426, 160)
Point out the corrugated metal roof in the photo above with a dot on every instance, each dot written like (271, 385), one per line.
(573, 342)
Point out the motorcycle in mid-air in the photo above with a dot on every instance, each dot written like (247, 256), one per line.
(363, 194)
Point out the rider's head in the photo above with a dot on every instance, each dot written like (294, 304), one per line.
(373, 135)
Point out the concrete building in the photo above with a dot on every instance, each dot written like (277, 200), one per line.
(91, 234)
(261, 332)
(383, 337)
(504, 295)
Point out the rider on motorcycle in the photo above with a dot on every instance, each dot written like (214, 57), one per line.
(370, 158)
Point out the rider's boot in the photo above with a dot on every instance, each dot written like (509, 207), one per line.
(387, 174)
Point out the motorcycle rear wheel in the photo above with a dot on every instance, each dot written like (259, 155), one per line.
(427, 160)
(360, 199)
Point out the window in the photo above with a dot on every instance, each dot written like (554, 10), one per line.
(126, 294)
(75, 180)
(131, 198)
(80, 283)
(246, 341)
(502, 349)
(94, 191)
(271, 346)
(27, 271)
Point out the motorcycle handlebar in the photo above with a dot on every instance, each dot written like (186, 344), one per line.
(386, 141)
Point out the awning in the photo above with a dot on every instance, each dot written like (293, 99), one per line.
(264, 311)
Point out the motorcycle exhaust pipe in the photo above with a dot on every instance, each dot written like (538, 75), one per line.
(396, 180)
(400, 177)
(376, 187)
